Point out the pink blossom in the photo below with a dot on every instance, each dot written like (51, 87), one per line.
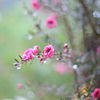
(28, 54)
(60, 68)
(87, 99)
(36, 5)
(96, 93)
(81, 53)
(57, 1)
(19, 86)
(28, 50)
(35, 50)
(65, 45)
(48, 51)
(51, 22)
(65, 50)
(53, 15)
(98, 50)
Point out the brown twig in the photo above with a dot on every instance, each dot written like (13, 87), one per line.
(88, 16)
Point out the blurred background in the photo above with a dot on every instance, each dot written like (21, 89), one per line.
(35, 81)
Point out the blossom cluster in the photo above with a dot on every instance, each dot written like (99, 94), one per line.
(35, 52)
(32, 53)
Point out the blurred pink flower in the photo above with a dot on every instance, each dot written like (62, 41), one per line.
(81, 53)
(36, 5)
(19, 86)
(60, 68)
(28, 50)
(51, 22)
(53, 15)
(87, 99)
(98, 50)
(48, 51)
(28, 54)
(96, 93)
(35, 50)
(65, 50)
(57, 1)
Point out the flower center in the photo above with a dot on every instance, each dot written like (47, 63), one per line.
(96, 93)
(50, 22)
(48, 50)
(35, 5)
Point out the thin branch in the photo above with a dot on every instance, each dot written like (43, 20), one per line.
(87, 14)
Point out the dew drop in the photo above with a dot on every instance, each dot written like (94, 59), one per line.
(30, 36)
(25, 12)
(96, 14)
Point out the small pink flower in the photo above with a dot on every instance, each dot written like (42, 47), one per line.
(60, 68)
(35, 50)
(57, 1)
(19, 86)
(28, 54)
(65, 50)
(65, 45)
(81, 53)
(36, 5)
(48, 51)
(96, 93)
(53, 15)
(51, 22)
(98, 50)
(28, 50)
(87, 99)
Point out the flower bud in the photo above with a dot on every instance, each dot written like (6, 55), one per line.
(15, 64)
(19, 86)
(65, 50)
(65, 45)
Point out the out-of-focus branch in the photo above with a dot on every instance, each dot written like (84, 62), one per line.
(84, 33)
(88, 16)
(91, 81)
(70, 33)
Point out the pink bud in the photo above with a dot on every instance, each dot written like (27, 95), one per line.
(19, 86)
(65, 45)
(65, 50)
(15, 64)
(41, 59)
(59, 58)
